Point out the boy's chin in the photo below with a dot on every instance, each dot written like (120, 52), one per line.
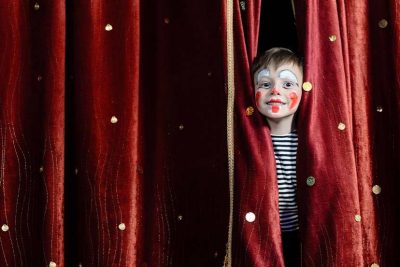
(278, 116)
(278, 113)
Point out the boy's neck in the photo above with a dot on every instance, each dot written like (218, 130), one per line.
(281, 126)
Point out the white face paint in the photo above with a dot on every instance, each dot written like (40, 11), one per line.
(263, 73)
(287, 74)
(277, 91)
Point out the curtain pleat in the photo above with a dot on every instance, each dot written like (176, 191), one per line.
(106, 169)
(257, 243)
(32, 133)
(348, 135)
(183, 100)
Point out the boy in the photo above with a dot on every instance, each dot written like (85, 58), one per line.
(278, 75)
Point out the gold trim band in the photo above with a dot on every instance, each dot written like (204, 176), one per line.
(229, 122)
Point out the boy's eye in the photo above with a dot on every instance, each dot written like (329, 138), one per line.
(265, 85)
(288, 85)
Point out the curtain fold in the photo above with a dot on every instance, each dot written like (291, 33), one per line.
(257, 243)
(185, 183)
(348, 135)
(106, 170)
(32, 133)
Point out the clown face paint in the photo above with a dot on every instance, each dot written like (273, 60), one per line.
(261, 74)
(293, 96)
(277, 91)
(287, 74)
(258, 96)
(275, 109)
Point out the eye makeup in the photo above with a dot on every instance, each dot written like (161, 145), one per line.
(263, 73)
(288, 75)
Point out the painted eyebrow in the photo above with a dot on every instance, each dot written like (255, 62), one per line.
(288, 74)
(263, 73)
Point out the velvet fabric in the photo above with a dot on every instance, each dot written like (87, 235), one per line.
(32, 90)
(113, 135)
(354, 83)
(105, 171)
(257, 243)
(183, 103)
(161, 167)
(348, 141)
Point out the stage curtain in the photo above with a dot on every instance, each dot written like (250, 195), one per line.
(32, 124)
(183, 102)
(104, 173)
(350, 139)
(113, 125)
(114, 147)
(348, 128)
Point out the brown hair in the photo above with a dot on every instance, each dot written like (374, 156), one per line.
(276, 56)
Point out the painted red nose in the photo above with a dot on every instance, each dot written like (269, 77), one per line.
(275, 91)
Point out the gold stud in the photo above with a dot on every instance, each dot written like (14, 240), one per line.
(379, 108)
(307, 86)
(41, 169)
(332, 38)
(383, 23)
(376, 189)
(180, 217)
(166, 20)
(250, 217)
(181, 127)
(114, 119)
(341, 126)
(249, 111)
(310, 181)
(5, 228)
(36, 6)
(52, 264)
(121, 226)
(357, 217)
(374, 265)
(109, 27)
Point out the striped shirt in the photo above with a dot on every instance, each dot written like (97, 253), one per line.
(285, 148)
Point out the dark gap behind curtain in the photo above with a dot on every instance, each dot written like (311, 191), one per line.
(277, 26)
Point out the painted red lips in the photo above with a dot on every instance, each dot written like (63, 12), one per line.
(275, 100)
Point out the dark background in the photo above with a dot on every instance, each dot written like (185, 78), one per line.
(277, 25)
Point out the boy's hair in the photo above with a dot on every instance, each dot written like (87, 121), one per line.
(276, 56)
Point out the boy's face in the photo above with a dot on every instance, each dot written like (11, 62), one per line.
(277, 90)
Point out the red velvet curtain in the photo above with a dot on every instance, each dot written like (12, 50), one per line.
(113, 130)
(348, 141)
(113, 134)
(32, 93)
